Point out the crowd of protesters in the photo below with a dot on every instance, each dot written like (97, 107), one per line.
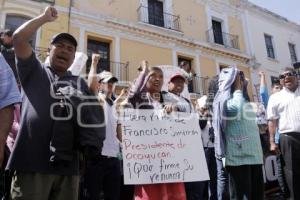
(46, 153)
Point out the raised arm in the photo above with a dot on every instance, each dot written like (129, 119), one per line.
(237, 101)
(92, 77)
(138, 85)
(23, 34)
(263, 91)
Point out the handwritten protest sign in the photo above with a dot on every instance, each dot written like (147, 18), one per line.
(162, 148)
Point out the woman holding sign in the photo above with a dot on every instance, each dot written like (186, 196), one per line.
(146, 94)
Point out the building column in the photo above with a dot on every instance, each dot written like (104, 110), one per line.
(2, 19)
(117, 56)
(174, 57)
(81, 40)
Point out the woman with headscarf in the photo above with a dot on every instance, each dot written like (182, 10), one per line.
(242, 149)
(146, 94)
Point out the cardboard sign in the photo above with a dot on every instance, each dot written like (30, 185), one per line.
(162, 148)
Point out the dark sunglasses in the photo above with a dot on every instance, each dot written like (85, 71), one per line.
(282, 76)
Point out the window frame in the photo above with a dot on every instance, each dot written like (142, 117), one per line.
(293, 54)
(272, 47)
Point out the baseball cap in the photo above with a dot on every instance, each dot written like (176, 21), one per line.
(177, 75)
(106, 76)
(64, 36)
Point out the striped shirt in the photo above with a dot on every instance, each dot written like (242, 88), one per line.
(9, 92)
(243, 145)
(285, 106)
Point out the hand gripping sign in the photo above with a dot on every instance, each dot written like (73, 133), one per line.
(162, 148)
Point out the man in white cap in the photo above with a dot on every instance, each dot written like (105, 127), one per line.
(103, 173)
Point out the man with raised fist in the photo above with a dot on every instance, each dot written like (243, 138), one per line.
(45, 159)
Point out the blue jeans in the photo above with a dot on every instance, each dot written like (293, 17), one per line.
(223, 190)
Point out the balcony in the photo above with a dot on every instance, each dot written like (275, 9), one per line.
(225, 39)
(120, 70)
(46, 1)
(200, 84)
(164, 20)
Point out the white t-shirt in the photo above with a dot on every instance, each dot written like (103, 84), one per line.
(111, 144)
(205, 136)
(285, 106)
(181, 103)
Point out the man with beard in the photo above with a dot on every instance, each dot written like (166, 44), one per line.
(284, 112)
(45, 158)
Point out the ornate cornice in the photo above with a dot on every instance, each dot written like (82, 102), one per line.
(207, 48)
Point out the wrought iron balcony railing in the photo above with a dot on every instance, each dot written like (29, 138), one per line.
(225, 39)
(46, 1)
(120, 70)
(164, 20)
(200, 84)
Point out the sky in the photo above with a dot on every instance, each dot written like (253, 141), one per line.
(289, 9)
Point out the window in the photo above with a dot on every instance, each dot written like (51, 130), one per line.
(156, 12)
(274, 79)
(181, 59)
(12, 22)
(269, 46)
(217, 32)
(293, 52)
(102, 48)
(187, 66)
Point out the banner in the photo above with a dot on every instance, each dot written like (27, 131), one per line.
(161, 148)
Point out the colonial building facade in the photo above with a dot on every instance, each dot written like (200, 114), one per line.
(274, 42)
(209, 34)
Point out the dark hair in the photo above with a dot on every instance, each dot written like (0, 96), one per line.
(213, 87)
(275, 82)
(245, 85)
(290, 69)
(8, 32)
(183, 63)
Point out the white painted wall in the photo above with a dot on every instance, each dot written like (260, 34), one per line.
(258, 25)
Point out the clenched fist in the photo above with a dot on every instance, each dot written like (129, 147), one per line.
(50, 14)
(95, 59)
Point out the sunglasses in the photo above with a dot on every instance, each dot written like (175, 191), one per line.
(282, 76)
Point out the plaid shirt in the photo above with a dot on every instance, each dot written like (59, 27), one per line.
(243, 145)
